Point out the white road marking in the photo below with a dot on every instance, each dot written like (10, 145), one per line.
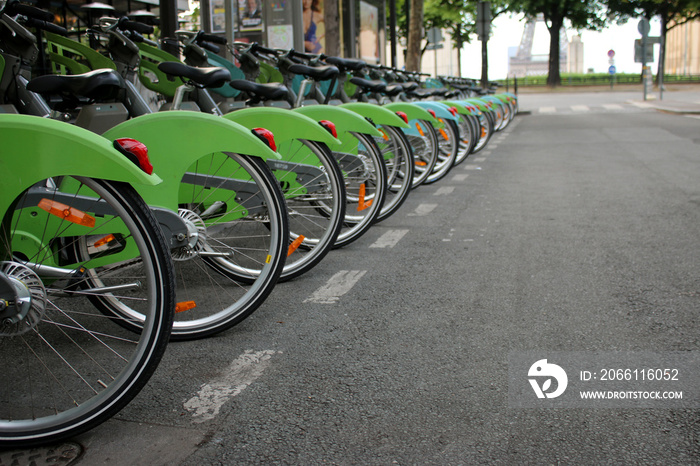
(335, 287)
(642, 104)
(548, 109)
(694, 116)
(422, 209)
(493, 146)
(242, 372)
(580, 108)
(460, 177)
(471, 167)
(479, 159)
(389, 239)
(444, 190)
(612, 107)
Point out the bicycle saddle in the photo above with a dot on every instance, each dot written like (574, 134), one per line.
(317, 73)
(366, 84)
(205, 77)
(345, 64)
(103, 84)
(268, 91)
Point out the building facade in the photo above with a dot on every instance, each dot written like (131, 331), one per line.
(683, 49)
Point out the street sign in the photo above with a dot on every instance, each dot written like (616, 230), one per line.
(611, 53)
(434, 36)
(643, 26)
(612, 69)
(638, 52)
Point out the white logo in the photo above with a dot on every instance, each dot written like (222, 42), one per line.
(541, 369)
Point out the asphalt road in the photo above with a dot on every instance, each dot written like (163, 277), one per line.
(575, 231)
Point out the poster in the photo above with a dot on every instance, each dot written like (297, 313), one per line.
(218, 15)
(250, 15)
(314, 26)
(369, 32)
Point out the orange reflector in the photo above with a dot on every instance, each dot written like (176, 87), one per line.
(420, 163)
(104, 240)
(483, 132)
(362, 205)
(420, 130)
(295, 244)
(67, 213)
(185, 306)
(384, 135)
(442, 131)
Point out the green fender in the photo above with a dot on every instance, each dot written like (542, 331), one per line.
(413, 112)
(284, 124)
(378, 114)
(177, 139)
(463, 107)
(344, 119)
(35, 148)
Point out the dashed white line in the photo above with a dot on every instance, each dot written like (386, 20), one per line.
(642, 104)
(444, 191)
(422, 209)
(460, 177)
(335, 287)
(242, 372)
(389, 239)
(548, 109)
(612, 107)
(580, 108)
(479, 159)
(471, 167)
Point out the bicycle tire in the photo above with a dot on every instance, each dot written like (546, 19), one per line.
(467, 137)
(398, 157)
(314, 190)
(425, 149)
(448, 145)
(236, 248)
(66, 367)
(365, 177)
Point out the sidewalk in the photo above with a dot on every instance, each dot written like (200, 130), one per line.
(670, 106)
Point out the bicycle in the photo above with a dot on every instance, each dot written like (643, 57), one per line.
(74, 234)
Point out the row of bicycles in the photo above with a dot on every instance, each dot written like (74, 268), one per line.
(149, 196)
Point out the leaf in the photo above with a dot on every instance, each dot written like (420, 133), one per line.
(546, 385)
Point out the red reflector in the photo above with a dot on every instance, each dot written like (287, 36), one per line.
(432, 112)
(136, 151)
(403, 116)
(453, 111)
(266, 136)
(330, 127)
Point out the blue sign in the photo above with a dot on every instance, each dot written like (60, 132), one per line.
(612, 69)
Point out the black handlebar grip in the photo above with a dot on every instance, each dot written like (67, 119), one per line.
(46, 26)
(135, 26)
(209, 46)
(215, 38)
(14, 7)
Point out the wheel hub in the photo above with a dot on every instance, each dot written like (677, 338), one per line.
(196, 235)
(22, 299)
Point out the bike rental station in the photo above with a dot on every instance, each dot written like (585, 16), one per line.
(163, 179)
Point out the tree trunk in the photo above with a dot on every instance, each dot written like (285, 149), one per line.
(662, 48)
(330, 17)
(554, 76)
(415, 36)
(484, 64)
(459, 54)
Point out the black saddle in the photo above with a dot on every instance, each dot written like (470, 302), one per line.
(104, 84)
(268, 91)
(317, 73)
(346, 64)
(204, 77)
(367, 85)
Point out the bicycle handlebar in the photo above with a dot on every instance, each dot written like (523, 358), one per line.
(213, 38)
(127, 25)
(14, 7)
(46, 26)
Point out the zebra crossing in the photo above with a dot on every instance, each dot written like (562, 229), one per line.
(622, 107)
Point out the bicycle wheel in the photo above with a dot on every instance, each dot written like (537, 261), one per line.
(235, 248)
(365, 177)
(467, 137)
(485, 132)
(422, 137)
(398, 158)
(448, 147)
(66, 366)
(314, 190)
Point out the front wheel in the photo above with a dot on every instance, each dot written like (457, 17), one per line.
(67, 367)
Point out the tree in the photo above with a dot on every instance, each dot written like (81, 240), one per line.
(671, 13)
(415, 36)
(580, 14)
